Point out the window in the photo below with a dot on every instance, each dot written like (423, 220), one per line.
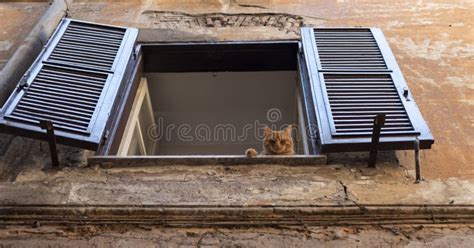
(135, 140)
(105, 92)
(215, 99)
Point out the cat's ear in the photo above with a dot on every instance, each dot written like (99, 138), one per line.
(267, 131)
(289, 129)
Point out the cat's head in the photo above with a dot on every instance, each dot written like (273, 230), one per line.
(278, 142)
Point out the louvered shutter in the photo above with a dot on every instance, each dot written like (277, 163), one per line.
(354, 76)
(73, 83)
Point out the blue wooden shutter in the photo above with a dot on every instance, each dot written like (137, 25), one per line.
(354, 76)
(73, 83)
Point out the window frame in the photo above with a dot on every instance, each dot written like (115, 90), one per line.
(236, 51)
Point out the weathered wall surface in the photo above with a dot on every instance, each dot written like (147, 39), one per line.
(432, 40)
(307, 237)
(16, 21)
(434, 45)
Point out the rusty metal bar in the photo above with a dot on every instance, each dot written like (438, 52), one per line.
(379, 121)
(417, 160)
(48, 125)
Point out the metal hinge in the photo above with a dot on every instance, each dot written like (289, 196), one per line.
(300, 47)
(106, 136)
(405, 93)
(23, 85)
(135, 52)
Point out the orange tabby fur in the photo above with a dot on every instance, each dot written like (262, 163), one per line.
(275, 143)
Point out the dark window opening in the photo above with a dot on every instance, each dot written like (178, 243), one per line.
(214, 99)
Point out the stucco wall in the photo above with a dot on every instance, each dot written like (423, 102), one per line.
(432, 41)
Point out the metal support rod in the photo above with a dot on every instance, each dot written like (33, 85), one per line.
(379, 121)
(417, 160)
(48, 125)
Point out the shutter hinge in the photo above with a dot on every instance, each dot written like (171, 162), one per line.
(135, 52)
(106, 136)
(22, 85)
(405, 93)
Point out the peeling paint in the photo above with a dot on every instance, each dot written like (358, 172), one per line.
(5, 45)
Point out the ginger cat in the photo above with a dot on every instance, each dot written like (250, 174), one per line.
(275, 143)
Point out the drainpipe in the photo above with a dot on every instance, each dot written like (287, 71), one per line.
(30, 48)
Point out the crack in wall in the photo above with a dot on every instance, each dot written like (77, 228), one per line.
(347, 197)
(176, 19)
(248, 5)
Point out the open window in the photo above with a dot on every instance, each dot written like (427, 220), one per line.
(215, 99)
(105, 92)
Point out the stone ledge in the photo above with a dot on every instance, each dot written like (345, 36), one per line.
(139, 161)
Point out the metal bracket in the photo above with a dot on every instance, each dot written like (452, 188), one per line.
(48, 125)
(379, 121)
(417, 161)
(405, 93)
(22, 85)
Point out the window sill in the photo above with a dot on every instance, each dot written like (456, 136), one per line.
(195, 160)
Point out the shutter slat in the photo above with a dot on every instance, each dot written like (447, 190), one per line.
(47, 96)
(80, 48)
(51, 116)
(59, 85)
(97, 28)
(369, 117)
(92, 54)
(365, 120)
(108, 45)
(66, 93)
(90, 38)
(83, 109)
(363, 135)
(57, 123)
(70, 83)
(84, 56)
(74, 115)
(77, 76)
(73, 30)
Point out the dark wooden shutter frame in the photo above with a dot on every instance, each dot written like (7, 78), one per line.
(328, 138)
(81, 84)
